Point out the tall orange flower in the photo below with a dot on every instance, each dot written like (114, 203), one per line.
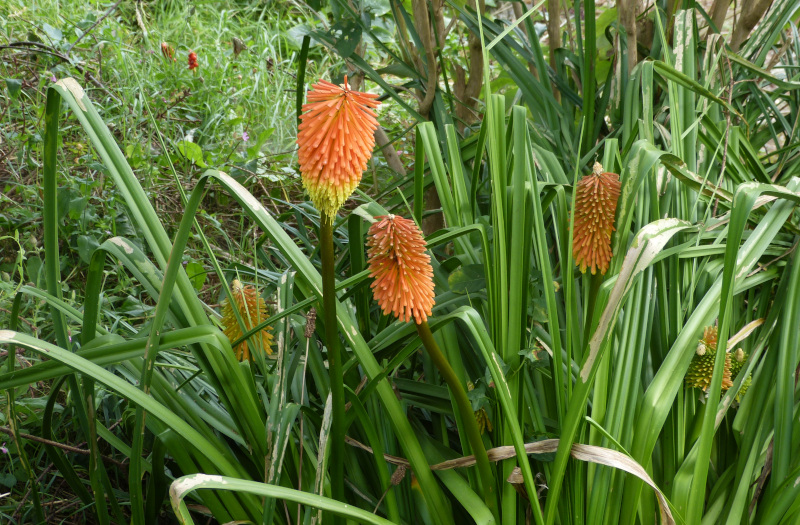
(336, 137)
(402, 270)
(595, 207)
(253, 311)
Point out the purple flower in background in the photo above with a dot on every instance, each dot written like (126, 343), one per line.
(245, 136)
(53, 79)
(3, 448)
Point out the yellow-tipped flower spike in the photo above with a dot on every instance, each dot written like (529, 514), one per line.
(702, 367)
(253, 311)
(743, 390)
(738, 359)
(402, 270)
(336, 137)
(484, 423)
(595, 208)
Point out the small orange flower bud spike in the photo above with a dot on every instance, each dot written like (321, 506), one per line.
(402, 270)
(193, 61)
(595, 208)
(336, 137)
(253, 311)
(168, 51)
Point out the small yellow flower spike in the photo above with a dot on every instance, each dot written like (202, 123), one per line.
(253, 311)
(737, 363)
(702, 367)
(595, 208)
(484, 423)
(402, 270)
(336, 137)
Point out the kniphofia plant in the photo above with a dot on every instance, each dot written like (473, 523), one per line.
(335, 140)
(403, 286)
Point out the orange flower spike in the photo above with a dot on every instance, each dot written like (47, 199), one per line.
(595, 208)
(336, 137)
(402, 273)
(253, 311)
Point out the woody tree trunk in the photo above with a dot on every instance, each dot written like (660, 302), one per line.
(752, 11)
(430, 27)
(627, 19)
(718, 13)
(466, 90)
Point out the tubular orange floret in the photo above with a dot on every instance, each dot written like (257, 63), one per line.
(253, 311)
(402, 270)
(595, 207)
(336, 137)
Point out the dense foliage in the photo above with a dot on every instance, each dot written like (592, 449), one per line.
(655, 385)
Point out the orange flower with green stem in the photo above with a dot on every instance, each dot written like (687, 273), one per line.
(403, 286)
(335, 140)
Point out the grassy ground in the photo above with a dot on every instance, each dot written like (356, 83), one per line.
(235, 112)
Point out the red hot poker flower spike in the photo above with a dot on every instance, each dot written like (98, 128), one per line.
(193, 60)
(595, 207)
(402, 270)
(253, 311)
(701, 369)
(336, 137)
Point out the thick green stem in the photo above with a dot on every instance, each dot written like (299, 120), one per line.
(334, 360)
(595, 281)
(469, 423)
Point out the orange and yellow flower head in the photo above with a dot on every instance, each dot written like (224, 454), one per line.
(595, 208)
(253, 311)
(336, 137)
(402, 273)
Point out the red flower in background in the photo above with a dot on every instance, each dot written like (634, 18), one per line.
(193, 60)
(168, 51)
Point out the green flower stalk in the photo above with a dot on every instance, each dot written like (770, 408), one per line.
(403, 286)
